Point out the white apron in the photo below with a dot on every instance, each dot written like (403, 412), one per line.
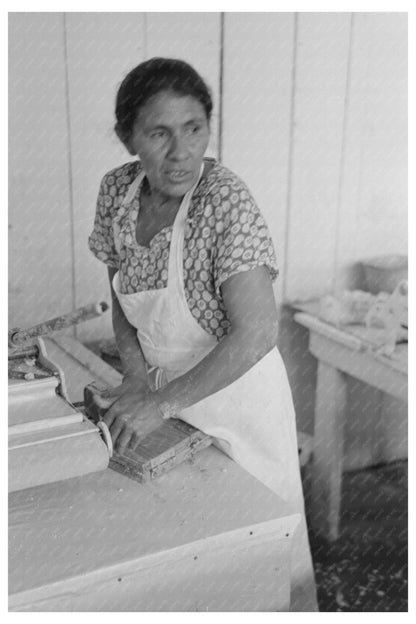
(252, 419)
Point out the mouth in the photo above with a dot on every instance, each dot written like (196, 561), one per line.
(178, 175)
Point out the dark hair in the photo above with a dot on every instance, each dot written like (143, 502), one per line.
(149, 78)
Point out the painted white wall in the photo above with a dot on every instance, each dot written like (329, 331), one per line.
(373, 186)
(40, 220)
(314, 119)
(101, 48)
(257, 95)
(319, 107)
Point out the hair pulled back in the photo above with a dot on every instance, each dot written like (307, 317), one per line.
(149, 78)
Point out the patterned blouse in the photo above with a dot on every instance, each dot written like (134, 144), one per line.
(225, 234)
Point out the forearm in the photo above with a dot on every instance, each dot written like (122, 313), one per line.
(227, 362)
(131, 355)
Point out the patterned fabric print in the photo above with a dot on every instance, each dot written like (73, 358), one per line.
(225, 234)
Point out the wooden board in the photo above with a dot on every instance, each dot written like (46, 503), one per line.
(163, 450)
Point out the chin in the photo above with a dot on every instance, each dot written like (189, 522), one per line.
(178, 189)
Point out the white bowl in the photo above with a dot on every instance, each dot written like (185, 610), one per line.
(383, 273)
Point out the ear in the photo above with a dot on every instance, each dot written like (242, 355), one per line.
(125, 140)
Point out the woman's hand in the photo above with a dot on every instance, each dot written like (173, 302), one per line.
(133, 415)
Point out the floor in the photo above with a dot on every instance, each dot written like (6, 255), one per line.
(366, 568)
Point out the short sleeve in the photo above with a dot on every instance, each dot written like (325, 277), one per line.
(243, 240)
(101, 239)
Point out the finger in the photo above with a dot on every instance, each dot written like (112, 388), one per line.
(109, 417)
(104, 401)
(116, 430)
(112, 414)
(134, 441)
(123, 440)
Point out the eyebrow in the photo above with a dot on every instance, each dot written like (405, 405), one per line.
(195, 120)
(190, 122)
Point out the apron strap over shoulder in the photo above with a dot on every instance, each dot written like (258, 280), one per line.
(132, 190)
(128, 198)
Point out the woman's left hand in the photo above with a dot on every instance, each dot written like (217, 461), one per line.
(131, 417)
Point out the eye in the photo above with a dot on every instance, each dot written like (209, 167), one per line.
(158, 134)
(193, 129)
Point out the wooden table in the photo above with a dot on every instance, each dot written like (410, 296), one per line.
(352, 351)
(206, 536)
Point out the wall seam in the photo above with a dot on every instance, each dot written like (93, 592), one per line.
(290, 156)
(144, 27)
(70, 169)
(336, 259)
(221, 87)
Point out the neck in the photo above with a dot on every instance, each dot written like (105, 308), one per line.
(157, 199)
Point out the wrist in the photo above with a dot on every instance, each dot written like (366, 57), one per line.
(136, 379)
(132, 364)
(164, 407)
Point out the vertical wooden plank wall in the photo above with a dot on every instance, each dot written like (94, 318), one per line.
(40, 257)
(101, 48)
(383, 201)
(257, 78)
(319, 108)
(313, 118)
(373, 201)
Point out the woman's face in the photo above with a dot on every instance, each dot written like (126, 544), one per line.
(170, 136)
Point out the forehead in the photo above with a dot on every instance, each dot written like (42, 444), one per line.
(168, 108)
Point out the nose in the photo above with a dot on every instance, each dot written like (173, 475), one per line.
(178, 149)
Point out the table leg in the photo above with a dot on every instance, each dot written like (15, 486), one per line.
(327, 461)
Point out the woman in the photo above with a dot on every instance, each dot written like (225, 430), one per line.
(191, 264)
